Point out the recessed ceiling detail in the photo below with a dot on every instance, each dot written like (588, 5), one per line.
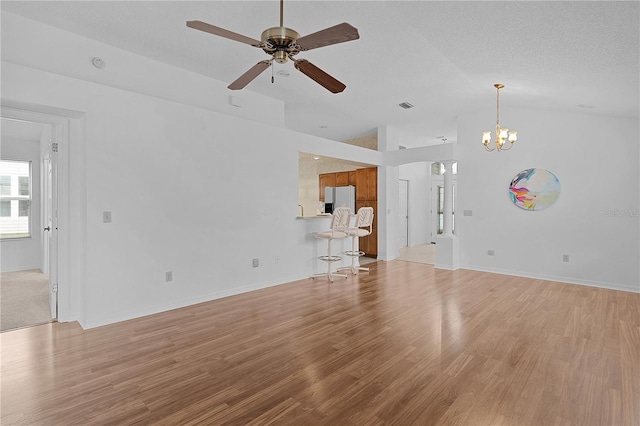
(405, 105)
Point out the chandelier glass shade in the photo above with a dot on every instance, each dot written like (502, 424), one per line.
(502, 135)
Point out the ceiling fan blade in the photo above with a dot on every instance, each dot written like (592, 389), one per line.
(248, 76)
(212, 29)
(319, 76)
(332, 35)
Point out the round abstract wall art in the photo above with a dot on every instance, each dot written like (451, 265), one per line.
(534, 189)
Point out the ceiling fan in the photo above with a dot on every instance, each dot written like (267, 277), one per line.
(283, 43)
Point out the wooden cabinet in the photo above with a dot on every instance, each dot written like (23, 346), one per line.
(324, 180)
(367, 196)
(372, 183)
(369, 244)
(342, 179)
(367, 184)
(362, 186)
(352, 178)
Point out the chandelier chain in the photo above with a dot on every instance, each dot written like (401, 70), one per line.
(502, 135)
(498, 107)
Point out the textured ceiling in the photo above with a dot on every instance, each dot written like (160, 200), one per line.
(442, 57)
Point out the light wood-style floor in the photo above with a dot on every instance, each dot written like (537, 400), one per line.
(424, 253)
(403, 344)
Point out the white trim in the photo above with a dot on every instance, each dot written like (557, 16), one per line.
(65, 122)
(21, 268)
(125, 315)
(588, 283)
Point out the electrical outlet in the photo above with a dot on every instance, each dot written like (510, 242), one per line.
(491, 252)
(277, 259)
(256, 262)
(565, 257)
(168, 276)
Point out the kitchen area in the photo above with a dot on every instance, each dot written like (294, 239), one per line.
(326, 183)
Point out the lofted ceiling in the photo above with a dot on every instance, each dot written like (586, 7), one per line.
(441, 56)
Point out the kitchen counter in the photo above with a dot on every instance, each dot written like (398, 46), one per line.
(320, 216)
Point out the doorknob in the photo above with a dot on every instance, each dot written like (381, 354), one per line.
(48, 228)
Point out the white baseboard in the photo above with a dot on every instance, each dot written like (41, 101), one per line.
(182, 303)
(21, 268)
(588, 283)
(446, 267)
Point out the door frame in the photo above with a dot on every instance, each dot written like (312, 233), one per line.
(406, 229)
(64, 123)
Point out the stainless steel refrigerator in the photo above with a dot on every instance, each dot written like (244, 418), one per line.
(340, 196)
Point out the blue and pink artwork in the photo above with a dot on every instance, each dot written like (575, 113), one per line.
(534, 189)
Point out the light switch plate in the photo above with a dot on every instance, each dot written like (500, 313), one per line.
(106, 217)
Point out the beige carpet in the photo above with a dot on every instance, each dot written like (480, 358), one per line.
(24, 299)
(422, 254)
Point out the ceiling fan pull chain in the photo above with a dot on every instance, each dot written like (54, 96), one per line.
(272, 79)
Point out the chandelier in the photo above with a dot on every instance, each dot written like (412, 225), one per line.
(502, 135)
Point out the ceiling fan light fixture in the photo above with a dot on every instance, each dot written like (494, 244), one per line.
(280, 56)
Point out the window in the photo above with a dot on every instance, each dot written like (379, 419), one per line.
(15, 199)
(23, 185)
(5, 185)
(440, 210)
(437, 169)
(5, 208)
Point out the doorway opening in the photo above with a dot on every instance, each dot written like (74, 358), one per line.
(414, 212)
(28, 222)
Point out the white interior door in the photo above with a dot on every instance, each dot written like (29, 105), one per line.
(46, 210)
(403, 196)
(51, 228)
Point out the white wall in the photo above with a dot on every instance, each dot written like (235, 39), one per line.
(182, 184)
(24, 253)
(419, 177)
(190, 190)
(596, 161)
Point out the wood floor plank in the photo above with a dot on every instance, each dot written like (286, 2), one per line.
(402, 344)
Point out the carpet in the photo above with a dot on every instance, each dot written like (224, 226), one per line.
(24, 299)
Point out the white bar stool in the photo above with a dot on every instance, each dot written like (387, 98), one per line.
(339, 229)
(364, 220)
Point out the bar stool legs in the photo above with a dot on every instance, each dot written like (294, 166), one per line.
(329, 258)
(363, 226)
(353, 254)
(339, 228)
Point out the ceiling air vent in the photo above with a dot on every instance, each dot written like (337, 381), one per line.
(406, 105)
